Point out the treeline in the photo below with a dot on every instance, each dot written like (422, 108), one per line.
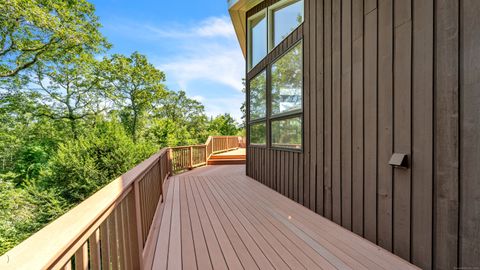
(72, 117)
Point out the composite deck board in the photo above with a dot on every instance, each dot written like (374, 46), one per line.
(218, 218)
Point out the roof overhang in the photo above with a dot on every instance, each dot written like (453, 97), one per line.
(238, 13)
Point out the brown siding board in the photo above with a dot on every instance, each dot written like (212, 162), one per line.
(422, 134)
(446, 132)
(385, 122)
(357, 120)
(320, 107)
(347, 114)
(295, 177)
(370, 128)
(470, 129)
(336, 115)
(402, 127)
(327, 170)
(311, 39)
(306, 107)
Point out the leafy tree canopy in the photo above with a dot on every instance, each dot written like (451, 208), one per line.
(42, 30)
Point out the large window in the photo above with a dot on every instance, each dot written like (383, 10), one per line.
(275, 94)
(258, 133)
(287, 80)
(284, 17)
(269, 27)
(257, 28)
(258, 96)
(287, 133)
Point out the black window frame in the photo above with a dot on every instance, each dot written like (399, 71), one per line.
(266, 65)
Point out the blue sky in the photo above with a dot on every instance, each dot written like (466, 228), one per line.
(192, 41)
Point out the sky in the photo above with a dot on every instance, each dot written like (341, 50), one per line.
(192, 41)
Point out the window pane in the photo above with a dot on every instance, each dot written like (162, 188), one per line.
(287, 77)
(258, 133)
(258, 89)
(285, 20)
(258, 39)
(287, 133)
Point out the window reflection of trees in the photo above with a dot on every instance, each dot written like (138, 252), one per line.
(258, 133)
(287, 82)
(287, 133)
(258, 96)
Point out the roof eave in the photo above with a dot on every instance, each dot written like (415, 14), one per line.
(238, 12)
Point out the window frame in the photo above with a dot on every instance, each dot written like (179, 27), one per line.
(269, 89)
(269, 118)
(264, 13)
(264, 118)
(271, 26)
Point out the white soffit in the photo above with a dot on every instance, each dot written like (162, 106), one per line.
(238, 12)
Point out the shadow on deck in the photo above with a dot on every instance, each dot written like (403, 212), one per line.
(216, 217)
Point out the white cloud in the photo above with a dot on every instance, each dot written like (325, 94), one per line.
(194, 55)
(211, 27)
(207, 59)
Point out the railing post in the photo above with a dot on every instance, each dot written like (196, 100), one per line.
(206, 154)
(170, 161)
(191, 157)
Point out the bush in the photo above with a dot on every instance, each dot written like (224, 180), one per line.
(24, 211)
(79, 168)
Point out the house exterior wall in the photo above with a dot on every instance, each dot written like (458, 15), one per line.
(384, 77)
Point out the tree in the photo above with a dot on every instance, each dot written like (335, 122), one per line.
(69, 89)
(186, 113)
(34, 31)
(223, 125)
(136, 84)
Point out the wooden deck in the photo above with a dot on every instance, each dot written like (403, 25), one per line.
(215, 217)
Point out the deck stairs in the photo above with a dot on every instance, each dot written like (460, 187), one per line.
(234, 157)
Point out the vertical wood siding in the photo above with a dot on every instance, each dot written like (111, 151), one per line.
(383, 77)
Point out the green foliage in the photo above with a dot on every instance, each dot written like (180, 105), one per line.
(24, 211)
(34, 31)
(70, 123)
(81, 167)
(69, 90)
(223, 125)
(135, 84)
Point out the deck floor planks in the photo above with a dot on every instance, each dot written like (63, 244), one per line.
(200, 244)
(325, 228)
(273, 257)
(269, 236)
(216, 254)
(323, 236)
(313, 259)
(257, 256)
(281, 235)
(188, 249)
(222, 219)
(239, 255)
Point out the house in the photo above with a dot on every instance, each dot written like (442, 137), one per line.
(364, 112)
(384, 139)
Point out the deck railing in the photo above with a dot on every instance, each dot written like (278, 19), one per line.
(114, 228)
(189, 157)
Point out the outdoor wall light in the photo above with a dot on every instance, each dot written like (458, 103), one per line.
(399, 161)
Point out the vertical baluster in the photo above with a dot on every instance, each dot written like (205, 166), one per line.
(113, 241)
(120, 237)
(68, 265)
(135, 219)
(81, 257)
(94, 241)
(104, 244)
